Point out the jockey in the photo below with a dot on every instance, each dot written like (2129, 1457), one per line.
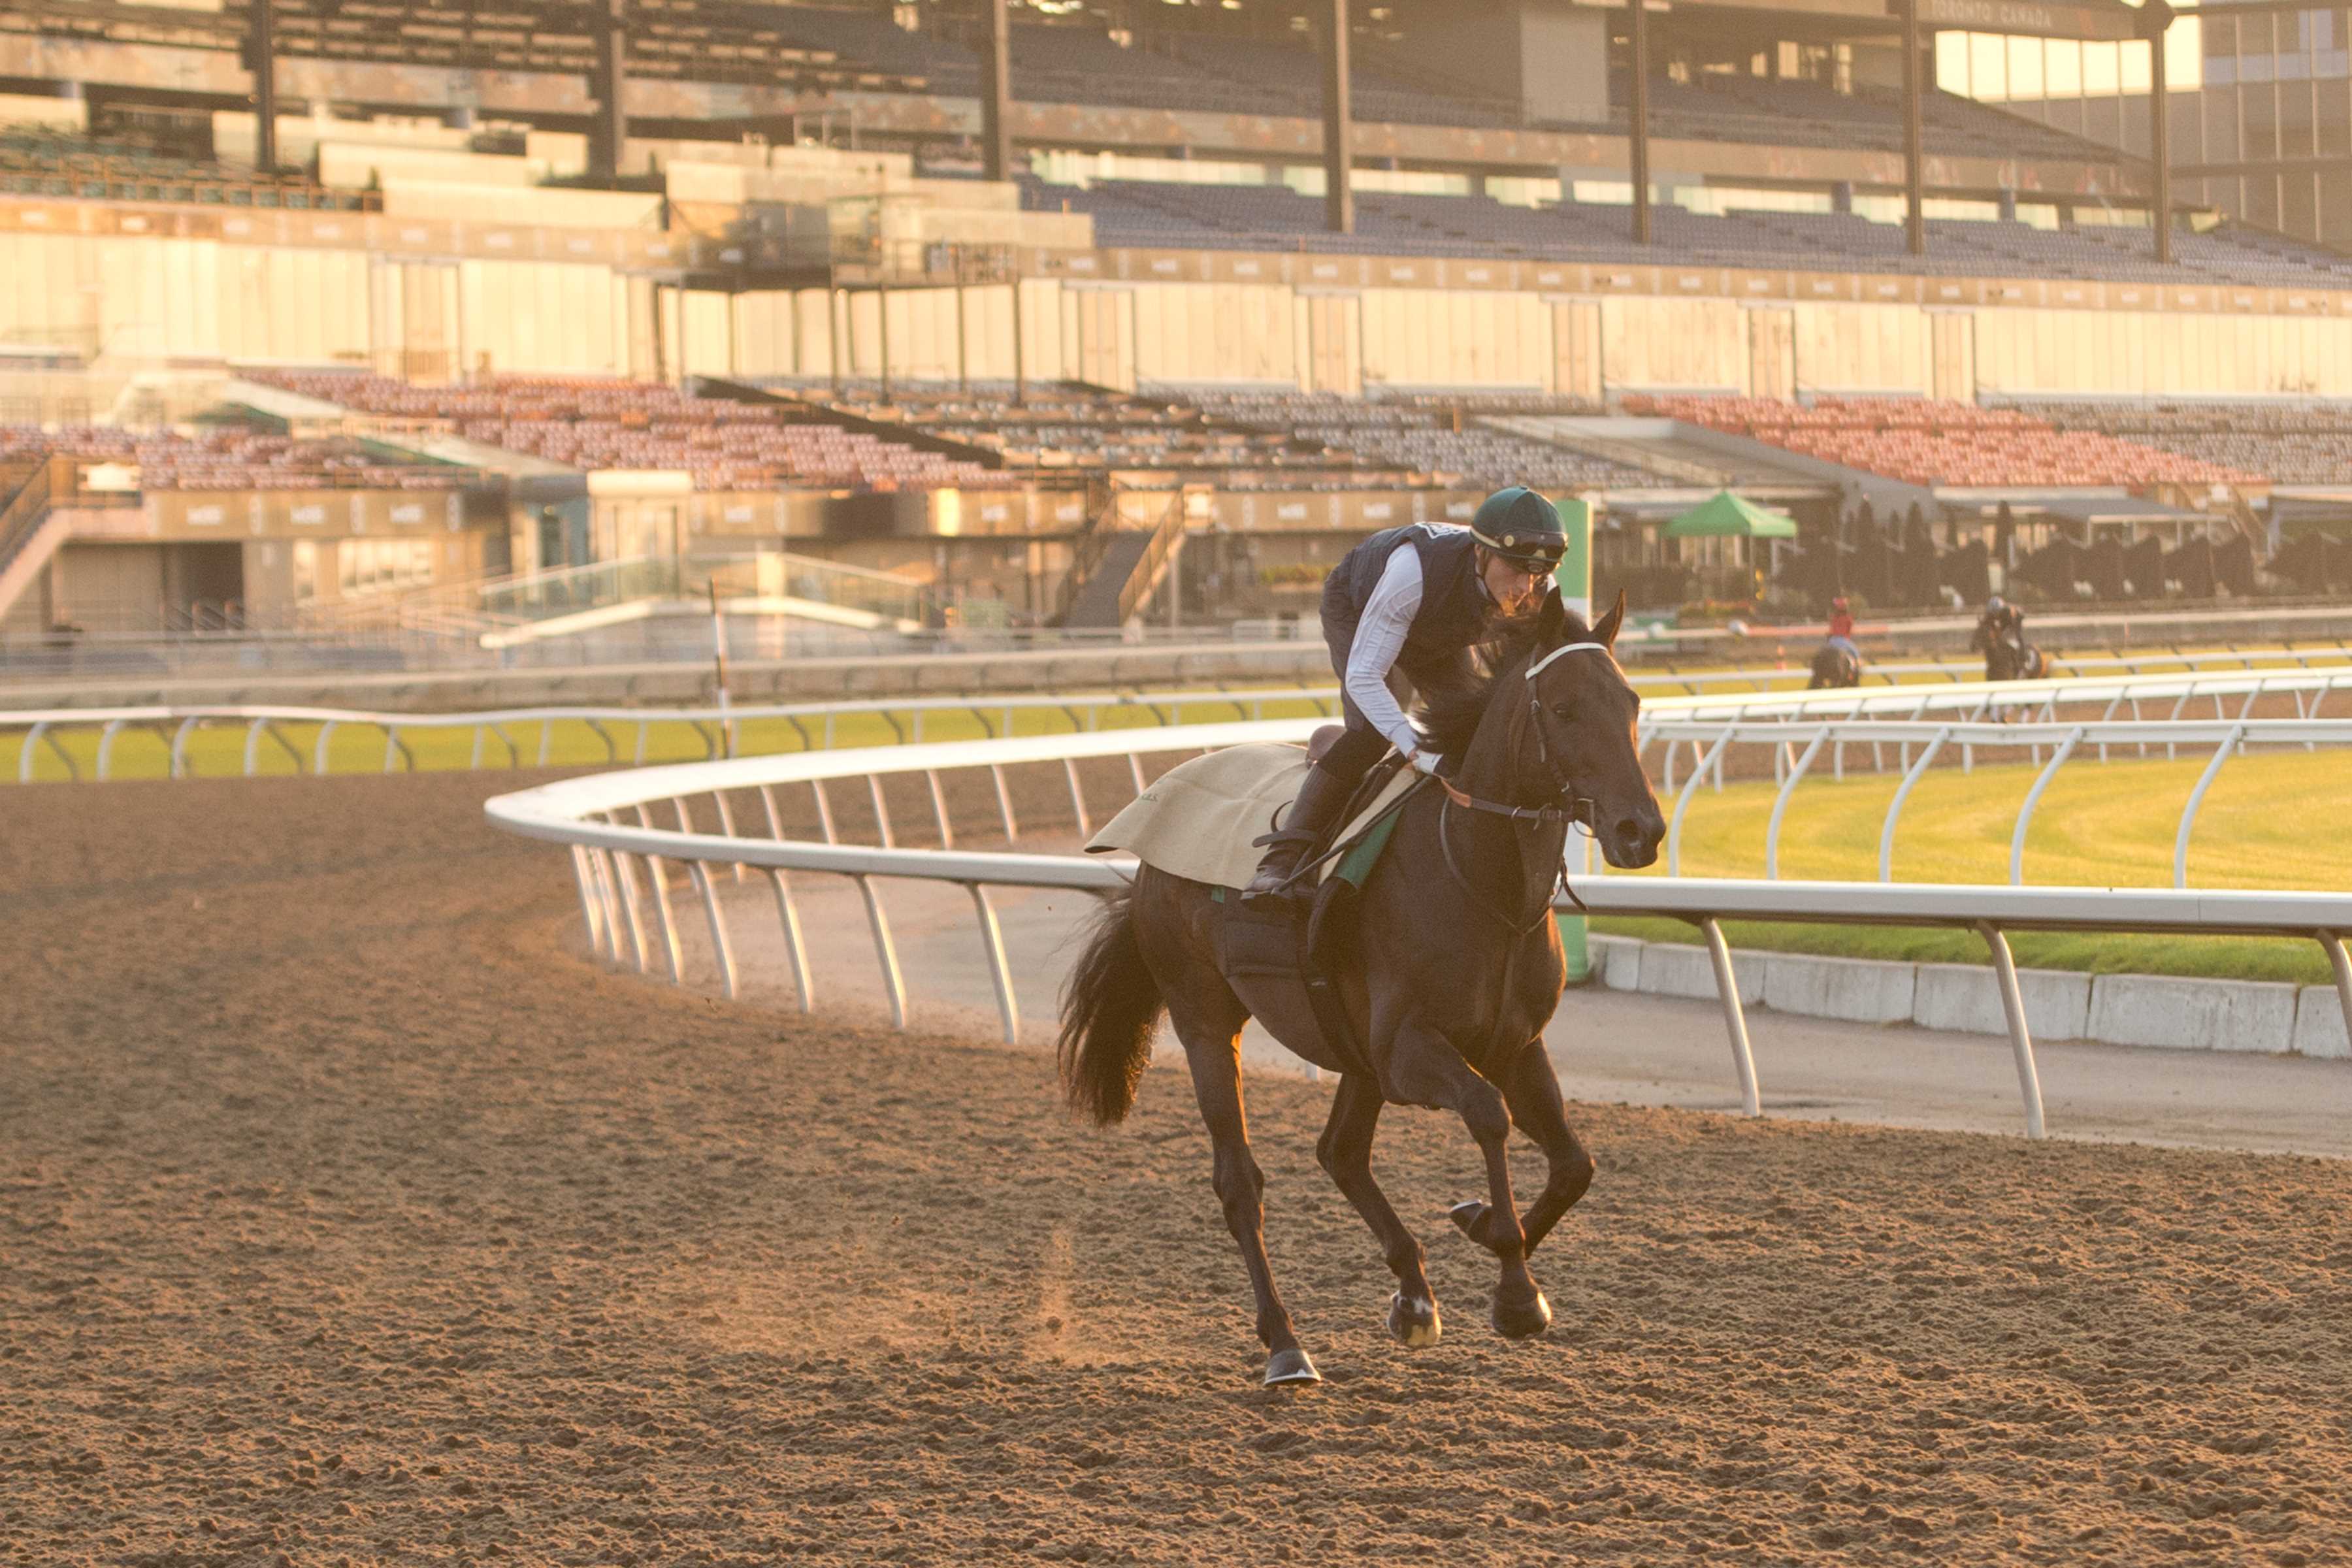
(2001, 623)
(1842, 627)
(1411, 602)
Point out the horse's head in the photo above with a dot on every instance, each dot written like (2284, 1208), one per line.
(1581, 732)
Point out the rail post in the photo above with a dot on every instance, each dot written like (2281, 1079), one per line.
(1735, 1016)
(705, 884)
(1077, 797)
(2195, 798)
(881, 811)
(658, 873)
(2336, 959)
(886, 952)
(939, 808)
(727, 822)
(589, 916)
(788, 917)
(1682, 803)
(2058, 755)
(624, 868)
(1004, 803)
(1780, 802)
(106, 745)
(2021, 1037)
(1895, 807)
(992, 941)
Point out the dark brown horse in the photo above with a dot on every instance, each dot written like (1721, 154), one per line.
(1456, 971)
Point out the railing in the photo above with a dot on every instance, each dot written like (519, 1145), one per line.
(2061, 741)
(21, 519)
(1706, 726)
(605, 822)
(1167, 538)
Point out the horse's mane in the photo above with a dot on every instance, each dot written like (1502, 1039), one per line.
(1448, 718)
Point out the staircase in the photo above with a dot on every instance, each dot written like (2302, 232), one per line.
(1096, 601)
(1119, 569)
(30, 531)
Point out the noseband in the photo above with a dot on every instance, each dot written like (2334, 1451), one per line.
(1578, 808)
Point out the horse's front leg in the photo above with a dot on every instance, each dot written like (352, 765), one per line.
(1424, 1069)
(1532, 1090)
(1344, 1152)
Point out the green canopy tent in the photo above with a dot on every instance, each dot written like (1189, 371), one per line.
(1725, 516)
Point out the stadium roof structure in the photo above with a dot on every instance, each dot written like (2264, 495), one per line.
(1236, 82)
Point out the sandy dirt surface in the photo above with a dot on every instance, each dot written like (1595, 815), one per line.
(347, 1217)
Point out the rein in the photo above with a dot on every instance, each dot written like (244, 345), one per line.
(1578, 809)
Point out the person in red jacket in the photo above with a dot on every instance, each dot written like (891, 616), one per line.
(1842, 627)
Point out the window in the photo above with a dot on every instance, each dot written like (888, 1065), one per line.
(376, 565)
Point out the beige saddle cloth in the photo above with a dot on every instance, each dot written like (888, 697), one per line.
(1197, 820)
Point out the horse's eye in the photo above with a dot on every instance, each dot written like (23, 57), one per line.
(1563, 712)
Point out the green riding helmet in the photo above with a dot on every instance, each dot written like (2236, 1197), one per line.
(1521, 527)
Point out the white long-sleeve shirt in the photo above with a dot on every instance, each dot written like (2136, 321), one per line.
(1379, 638)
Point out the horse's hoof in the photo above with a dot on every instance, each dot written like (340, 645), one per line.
(1465, 1217)
(1413, 1322)
(1521, 1319)
(1290, 1366)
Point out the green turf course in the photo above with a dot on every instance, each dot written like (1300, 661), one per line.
(218, 749)
(2269, 821)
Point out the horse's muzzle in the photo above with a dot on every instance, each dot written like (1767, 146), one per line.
(1631, 842)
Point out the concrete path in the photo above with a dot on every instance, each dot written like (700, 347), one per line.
(1608, 1046)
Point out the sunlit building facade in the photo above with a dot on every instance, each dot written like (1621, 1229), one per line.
(2261, 109)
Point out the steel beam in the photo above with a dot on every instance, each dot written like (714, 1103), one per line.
(609, 129)
(1338, 124)
(1637, 31)
(995, 92)
(1915, 219)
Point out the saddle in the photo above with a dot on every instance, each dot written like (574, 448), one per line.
(1308, 942)
(1196, 822)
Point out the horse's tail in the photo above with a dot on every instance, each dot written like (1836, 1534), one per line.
(1110, 1006)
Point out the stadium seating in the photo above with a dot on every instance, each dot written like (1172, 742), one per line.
(1790, 112)
(2293, 444)
(1448, 443)
(584, 423)
(1070, 426)
(40, 162)
(233, 458)
(1922, 441)
(1174, 215)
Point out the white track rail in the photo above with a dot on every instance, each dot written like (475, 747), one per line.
(607, 823)
(816, 724)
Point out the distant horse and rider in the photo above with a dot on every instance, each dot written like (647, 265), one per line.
(1437, 991)
(1837, 662)
(2000, 636)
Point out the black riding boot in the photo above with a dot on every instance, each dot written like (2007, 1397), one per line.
(1320, 800)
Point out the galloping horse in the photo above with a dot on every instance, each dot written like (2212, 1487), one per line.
(1455, 971)
(1834, 667)
(2011, 658)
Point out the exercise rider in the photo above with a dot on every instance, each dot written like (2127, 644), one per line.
(1841, 636)
(1410, 602)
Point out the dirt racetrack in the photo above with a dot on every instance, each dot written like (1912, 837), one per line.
(347, 1217)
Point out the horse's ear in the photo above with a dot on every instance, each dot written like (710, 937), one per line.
(1605, 633)
(1551, 620)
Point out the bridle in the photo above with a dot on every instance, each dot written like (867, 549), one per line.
(1579, 809)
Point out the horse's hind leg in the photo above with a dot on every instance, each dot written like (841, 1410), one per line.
(1532, 1088)
(1213, 1052)
(1344, 1152)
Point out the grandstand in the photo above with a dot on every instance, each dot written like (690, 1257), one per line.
(833, 283)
